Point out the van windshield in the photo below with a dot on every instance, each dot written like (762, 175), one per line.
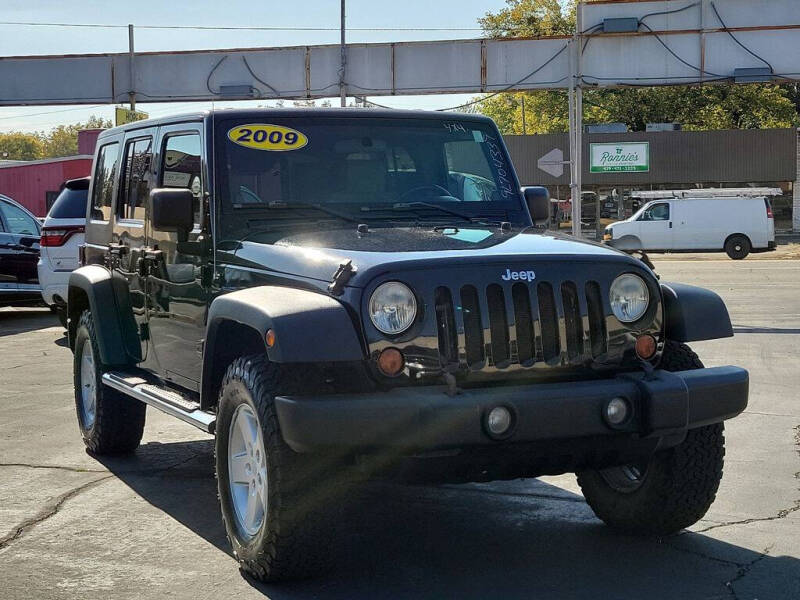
(301, 171)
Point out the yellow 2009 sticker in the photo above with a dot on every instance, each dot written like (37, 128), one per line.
(262, 136)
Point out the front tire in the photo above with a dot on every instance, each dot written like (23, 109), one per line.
(674, 489)
(110, 422)
(273, 500)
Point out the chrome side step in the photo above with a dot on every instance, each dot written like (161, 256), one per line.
(166, 401)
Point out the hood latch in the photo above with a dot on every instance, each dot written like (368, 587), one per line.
(343, 274)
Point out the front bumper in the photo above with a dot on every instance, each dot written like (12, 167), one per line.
(426, 418)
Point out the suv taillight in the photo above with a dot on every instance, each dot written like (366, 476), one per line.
(58, 236)
(769, 208)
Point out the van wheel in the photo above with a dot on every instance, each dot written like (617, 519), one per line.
(275, 503)
(737, 247)
(672, 490)
(110, 422)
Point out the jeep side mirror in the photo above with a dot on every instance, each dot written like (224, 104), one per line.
(538, 200)
(173, 210)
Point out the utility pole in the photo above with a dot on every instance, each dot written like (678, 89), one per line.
(131, 68)
(343, 51)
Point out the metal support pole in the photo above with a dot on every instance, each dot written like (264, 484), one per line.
(524, 127)
(577, 206)
(131, 66)
(573, 184)
(343, 51)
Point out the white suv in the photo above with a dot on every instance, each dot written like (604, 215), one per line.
(62, 235)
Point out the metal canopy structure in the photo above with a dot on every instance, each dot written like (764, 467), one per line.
(668, 42)
(616, 43)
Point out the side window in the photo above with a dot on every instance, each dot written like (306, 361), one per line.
(181, 167)
(135, 185)
(18, 220)
(104, 181)
(657, 212)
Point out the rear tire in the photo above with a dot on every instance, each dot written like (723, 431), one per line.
(671, 491)
(737, 247)
(286, 533)
(110, 422)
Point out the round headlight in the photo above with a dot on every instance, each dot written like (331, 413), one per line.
(392, 307)
(629, 298)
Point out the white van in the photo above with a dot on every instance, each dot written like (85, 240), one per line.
(735, 224)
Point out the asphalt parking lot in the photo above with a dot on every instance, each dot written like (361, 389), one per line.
(148, 526)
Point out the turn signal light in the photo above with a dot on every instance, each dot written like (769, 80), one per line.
(269, 337)
(391, 361)
(645, 346)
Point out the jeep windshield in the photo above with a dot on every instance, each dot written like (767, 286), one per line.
(309, 172)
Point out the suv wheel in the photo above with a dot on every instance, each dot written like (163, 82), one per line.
(274, 501)
(110, 422)
(737, 247)
(672, 490)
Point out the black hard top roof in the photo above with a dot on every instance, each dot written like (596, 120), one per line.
(292, 113)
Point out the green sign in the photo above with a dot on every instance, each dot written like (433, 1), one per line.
(615, 158)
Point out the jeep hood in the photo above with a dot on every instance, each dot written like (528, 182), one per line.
(318, 255)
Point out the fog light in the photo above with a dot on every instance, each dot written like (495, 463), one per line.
(617, 411)
(645, 346)
(498, 421)
(391, 361)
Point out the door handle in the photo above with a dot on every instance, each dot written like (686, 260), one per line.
(670, 224)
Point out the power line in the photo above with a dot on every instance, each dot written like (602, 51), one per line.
(234, 27)
(516, 83)
(50, 112)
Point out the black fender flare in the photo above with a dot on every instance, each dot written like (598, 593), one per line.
(693, 313)
(109, 302)
(308, 326)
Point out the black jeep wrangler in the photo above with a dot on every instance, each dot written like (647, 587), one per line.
(344, 291)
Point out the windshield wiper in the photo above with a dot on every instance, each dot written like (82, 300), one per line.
(405, 206)
(258, 203)
(401, 206)
(320, 207)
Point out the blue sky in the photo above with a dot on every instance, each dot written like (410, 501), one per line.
(367, 14)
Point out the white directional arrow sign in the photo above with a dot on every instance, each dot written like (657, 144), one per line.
(552, 163)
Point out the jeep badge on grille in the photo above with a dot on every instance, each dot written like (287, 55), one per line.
(510, 275)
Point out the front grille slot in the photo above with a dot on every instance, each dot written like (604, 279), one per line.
(558, 323)
(597, 321)
(523, 317)
(498, 325)
(473, 329)
(573, 325)
(548, 319)
(446, 326)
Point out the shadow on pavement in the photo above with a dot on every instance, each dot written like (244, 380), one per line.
(517, 539)
(23, 320)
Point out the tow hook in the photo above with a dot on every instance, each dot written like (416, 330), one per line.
(450, 382)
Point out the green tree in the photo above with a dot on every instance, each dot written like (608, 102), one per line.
(63, 140)
(530, 18)
(696, 107)
(21, 146)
